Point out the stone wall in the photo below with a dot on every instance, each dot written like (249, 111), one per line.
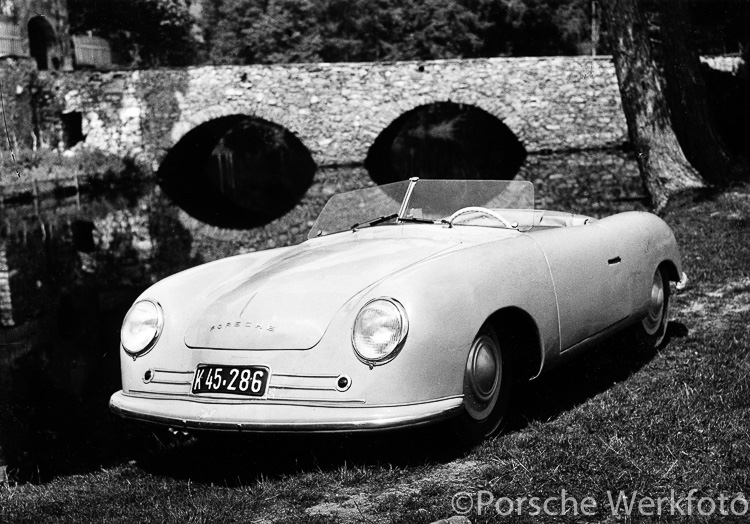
(16, 77)
(111, 112)
(337, 110)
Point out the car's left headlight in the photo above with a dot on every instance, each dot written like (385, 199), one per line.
(141, 328)
(379, 330)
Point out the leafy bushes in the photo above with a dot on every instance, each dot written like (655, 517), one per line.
(49, 169)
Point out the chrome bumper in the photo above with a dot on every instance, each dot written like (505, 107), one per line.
(284, 417)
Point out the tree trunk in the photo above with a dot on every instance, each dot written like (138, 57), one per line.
(686, 95)
(663, 166)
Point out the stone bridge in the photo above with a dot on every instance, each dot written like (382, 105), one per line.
(238, 135)
(338, 110)
(250, 138)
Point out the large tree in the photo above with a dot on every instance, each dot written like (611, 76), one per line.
(676, 145)
(677, 60)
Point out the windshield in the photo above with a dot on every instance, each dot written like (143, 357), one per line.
(494, 203)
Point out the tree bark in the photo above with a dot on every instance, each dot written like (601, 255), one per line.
(664, 168)
(685, 92)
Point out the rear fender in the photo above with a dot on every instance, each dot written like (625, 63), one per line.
(647, 242)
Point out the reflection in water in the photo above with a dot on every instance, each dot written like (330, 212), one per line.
(74, 269)
(445, 141)
(237, 172)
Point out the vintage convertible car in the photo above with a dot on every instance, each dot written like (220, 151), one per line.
(409, 303)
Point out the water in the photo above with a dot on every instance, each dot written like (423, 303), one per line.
(76, 262)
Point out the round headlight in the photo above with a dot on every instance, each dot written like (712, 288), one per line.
(379, 329)
(141, 327)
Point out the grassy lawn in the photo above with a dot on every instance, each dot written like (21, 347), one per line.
(652, 424)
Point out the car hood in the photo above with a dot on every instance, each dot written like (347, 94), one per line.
(289, 302)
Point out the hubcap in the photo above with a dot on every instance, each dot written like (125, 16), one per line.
(656, 306)
(484, 368)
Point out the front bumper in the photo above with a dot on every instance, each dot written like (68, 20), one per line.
(283, 417)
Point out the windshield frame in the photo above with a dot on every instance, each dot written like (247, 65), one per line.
(510, 197)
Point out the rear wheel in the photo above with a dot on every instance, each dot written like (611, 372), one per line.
(654, 324)
(487, 388)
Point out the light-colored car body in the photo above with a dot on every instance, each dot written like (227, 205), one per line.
(566, 280)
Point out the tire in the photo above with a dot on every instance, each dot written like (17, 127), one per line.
(653, 327)
(488, 379)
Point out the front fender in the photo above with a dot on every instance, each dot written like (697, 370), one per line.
(447, 299)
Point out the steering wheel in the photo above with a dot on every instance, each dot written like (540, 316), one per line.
(481, 210)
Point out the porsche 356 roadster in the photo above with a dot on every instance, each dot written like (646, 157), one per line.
(409, 303)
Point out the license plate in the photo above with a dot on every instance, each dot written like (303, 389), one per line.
(250, 381)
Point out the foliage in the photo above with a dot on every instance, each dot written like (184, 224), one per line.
(254, 31)
(148, 33)
(50, 168)
(539, 27)
(720, 27)
(143, 33)
(251, 31)
(257, 31)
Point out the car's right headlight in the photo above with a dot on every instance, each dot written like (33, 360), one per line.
(141, 328)
(379, 330)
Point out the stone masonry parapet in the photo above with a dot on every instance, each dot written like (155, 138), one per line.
(337, 110)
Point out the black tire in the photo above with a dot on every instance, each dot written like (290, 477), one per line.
(653, 327)
(488, 382)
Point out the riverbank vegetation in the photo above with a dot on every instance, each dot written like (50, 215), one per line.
(28, 173)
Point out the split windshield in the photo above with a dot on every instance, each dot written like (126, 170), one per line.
(509, 204)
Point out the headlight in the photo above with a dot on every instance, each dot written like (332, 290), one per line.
(379, 329)
(141, 327)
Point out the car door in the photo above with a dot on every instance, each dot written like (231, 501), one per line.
(590, 279)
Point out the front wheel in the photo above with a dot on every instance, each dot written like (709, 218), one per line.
(654, 324)
(487, 388)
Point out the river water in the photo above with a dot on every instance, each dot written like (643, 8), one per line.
(73, 264)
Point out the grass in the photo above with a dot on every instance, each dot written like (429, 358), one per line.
(619, 418)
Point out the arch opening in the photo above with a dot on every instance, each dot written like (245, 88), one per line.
(72, 128)
(237, 172)
(445, 140)
(44, 46)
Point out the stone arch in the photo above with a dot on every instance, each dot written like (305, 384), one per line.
(44, 46)
(445, 140)
(192, 120)
(237, 171)
(509, 112)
